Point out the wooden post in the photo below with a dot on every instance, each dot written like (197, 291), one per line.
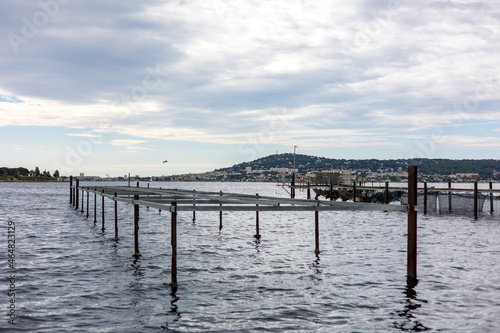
(257, 232)
(95, 205)
(308, 192)
(220, 214)
(116, 219)
(386, 193)
(292, 187)
(71, 189)
(316, 230)
(173, 237)
(137, 184)
(475, 200)
(331, 190)
(102, 209)
(412, 223)
(87, 216)
(425, 197)
(129, 179)
(449, 197)
(81, 211)
(76, 193)
(491, 198)
(136, 227)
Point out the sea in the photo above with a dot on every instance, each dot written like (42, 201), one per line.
(60, 272)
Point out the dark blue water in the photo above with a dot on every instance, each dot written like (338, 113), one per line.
(72, 277)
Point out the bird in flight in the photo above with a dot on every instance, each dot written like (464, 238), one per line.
(165, 161)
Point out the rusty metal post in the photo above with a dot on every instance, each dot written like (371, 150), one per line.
(71, 189)
(449, 197)
(354, 191)
(173, 237)
(102, 215)
(412, 223)
(316, 230)
(116, 219)
(76, 193)
(331, 190)
(491, 197)
(425, 197)
(257, 232)
(475, 199)
(386, 193)
(194, 204)
(95, 205)
(136, 227)
(87, 216)
(220, 214)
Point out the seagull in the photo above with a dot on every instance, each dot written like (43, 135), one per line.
(165, 161)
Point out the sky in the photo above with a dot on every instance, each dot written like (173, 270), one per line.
(116, 87)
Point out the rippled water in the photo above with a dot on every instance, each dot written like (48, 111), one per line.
(72, 277)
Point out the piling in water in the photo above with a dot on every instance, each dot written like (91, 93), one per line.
(412, 223)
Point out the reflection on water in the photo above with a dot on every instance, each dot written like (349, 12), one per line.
(408, 322)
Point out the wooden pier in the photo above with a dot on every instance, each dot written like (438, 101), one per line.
(175, 201)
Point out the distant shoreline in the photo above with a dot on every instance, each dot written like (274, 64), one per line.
(30, 180)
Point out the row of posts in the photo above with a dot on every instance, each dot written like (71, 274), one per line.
(412, 223)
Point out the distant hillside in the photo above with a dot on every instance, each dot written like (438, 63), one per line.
(306, 163)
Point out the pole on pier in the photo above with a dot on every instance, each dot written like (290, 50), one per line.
(173, 242)
(76, 193)
(491, 197)
(308, 192)
(70, 189)
(81, 211)
(354, 191)
(87, 216)
(412, 223)
(316, 230)
(128, 179)
(425, 197)
(475, 199)
(136, 227)
(386, 193)
(137, 184)
(257, 232)
(194, 204)
(95, 206)
(116, 219)
(449, 197)
(102, 211)
(331, 190)
(220, 214)
(292, 187)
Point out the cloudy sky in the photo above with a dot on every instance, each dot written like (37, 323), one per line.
(112, 87)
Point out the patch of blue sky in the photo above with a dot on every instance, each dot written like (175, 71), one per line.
(10, 99)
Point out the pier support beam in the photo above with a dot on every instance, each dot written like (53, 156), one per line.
(173, 242)
(81, 211)
(386, 193)
(116, 219)
(449, 198)
(316, 230)
(95, 206)
(194, 204)
(475, 199)
(220, 214)
(412, 223)
(76, 194)
(425, 197)
(136, 228)
(257, 232)
(102, 206)
(71, 189)
(491, 198)
(87, 216)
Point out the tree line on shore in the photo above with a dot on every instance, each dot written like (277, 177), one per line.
(23, 174)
